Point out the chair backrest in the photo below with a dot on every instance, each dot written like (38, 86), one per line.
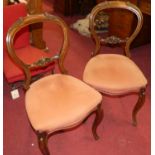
(42, 62)
(117, 5)
(10, 14)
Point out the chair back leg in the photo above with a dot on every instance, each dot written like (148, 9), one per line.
(139, 104)
(97, 121)
(42, 142)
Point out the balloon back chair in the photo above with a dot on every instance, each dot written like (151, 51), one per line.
(56, 101)
(13, 73)
(115, 74)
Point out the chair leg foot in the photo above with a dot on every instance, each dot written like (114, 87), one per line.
(42, 142)
(139, 104)
(97, 121)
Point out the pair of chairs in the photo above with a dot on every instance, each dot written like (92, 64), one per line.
(60, 101)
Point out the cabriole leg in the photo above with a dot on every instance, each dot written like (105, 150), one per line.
(97, 121)
(42, 142)
(139, 104)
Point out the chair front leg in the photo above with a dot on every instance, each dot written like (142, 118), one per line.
(42, 142)
(139, 104)
(97, 121)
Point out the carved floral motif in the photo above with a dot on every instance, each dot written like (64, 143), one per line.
(44, 61)
(113, 40)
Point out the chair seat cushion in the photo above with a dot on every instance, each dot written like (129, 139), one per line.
(28, 54)
(114, 74)
(59, 101)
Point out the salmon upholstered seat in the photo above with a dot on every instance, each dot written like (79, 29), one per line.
(115, 74)
(59, 102)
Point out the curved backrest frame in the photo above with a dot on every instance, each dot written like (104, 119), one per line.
(115, 5)
(28, 20)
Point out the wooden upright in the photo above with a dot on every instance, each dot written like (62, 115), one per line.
(34, 7)
(5, 2)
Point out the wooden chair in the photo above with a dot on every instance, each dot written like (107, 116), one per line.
(115, 74)
(55, 102)
(22, 44)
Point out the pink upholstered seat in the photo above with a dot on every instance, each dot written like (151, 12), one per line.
(59, 102)
(114, 74)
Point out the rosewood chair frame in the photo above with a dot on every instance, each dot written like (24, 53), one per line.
(113, 40)
(59, 58)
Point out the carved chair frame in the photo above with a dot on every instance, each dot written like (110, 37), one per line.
(31, 19)
(59, 58)
(113, 39)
